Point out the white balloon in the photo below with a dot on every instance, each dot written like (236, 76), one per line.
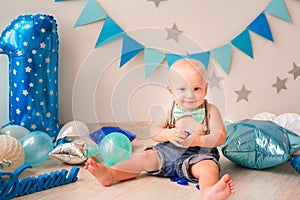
(15, 131)
(74, 129)
(289, 121)
(267, 116)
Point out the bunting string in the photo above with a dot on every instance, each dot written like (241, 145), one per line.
(110, 31)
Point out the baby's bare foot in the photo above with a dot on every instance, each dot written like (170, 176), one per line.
(101, 172)
(221, 190)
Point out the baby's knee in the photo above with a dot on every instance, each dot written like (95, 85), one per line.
(204, 167)
(151, 160)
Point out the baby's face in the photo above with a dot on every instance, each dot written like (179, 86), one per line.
(187, 87)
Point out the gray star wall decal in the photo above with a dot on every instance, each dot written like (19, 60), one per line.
(173, 33)
(295, 71)
(214, 80)
(242, 94)
(280, 84)
(156, 2)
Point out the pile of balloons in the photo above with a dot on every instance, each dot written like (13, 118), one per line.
(114, 146)
(36, 145)
(110, 145)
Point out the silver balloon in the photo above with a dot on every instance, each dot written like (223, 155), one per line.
(71, 153)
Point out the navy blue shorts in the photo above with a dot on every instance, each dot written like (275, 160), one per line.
(176, 161)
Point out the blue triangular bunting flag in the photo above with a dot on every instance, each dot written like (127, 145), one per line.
(92, 12)
(203, 57)
(243, 43)
(110, 31)
(261, 27)
(152, 59)
(278, 9)
(222, 55)
(171, 58)
(130, 48)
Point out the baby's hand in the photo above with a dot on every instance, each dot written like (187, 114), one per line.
(178, 137)
(189, 138)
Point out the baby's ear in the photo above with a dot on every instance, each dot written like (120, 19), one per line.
(170, 91)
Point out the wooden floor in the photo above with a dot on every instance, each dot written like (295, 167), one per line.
(281, 182)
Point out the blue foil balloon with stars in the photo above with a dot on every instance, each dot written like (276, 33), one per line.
(31, 44)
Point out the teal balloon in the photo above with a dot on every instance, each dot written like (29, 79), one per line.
(37, 146)
(114, 148)
(15, 131)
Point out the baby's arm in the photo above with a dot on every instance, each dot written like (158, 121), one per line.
(217, 134)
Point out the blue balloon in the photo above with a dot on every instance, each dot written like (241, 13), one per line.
(37, 146)
(15, 131)
(114, 148)
(31, 44)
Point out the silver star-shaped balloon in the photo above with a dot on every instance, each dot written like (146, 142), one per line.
(173, 33)
(280, 84)
(295, 71)
(156, 2)
(242, 94)
(214, 80)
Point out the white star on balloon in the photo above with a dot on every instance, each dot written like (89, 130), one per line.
(33, 126)
(25, 44)
(27, 69)
(29, 60)
(280, 84)
(25, 92)
(43, 45)
(31, 85)
(295, 71)
(19, 52)
(47, 60)
(156, 2)
(173, 33)
(18, 111)
(48, 115)
(242, 94)
(27, 26)
(43, 30)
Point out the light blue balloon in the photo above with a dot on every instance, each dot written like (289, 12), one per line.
(114, 148)
(37, 146)
(15, 131)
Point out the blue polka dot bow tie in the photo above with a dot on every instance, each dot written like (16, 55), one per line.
(197, 114)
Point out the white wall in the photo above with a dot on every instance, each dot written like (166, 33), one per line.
(92, 87)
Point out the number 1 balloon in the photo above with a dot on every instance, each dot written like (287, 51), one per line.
(31, 43)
